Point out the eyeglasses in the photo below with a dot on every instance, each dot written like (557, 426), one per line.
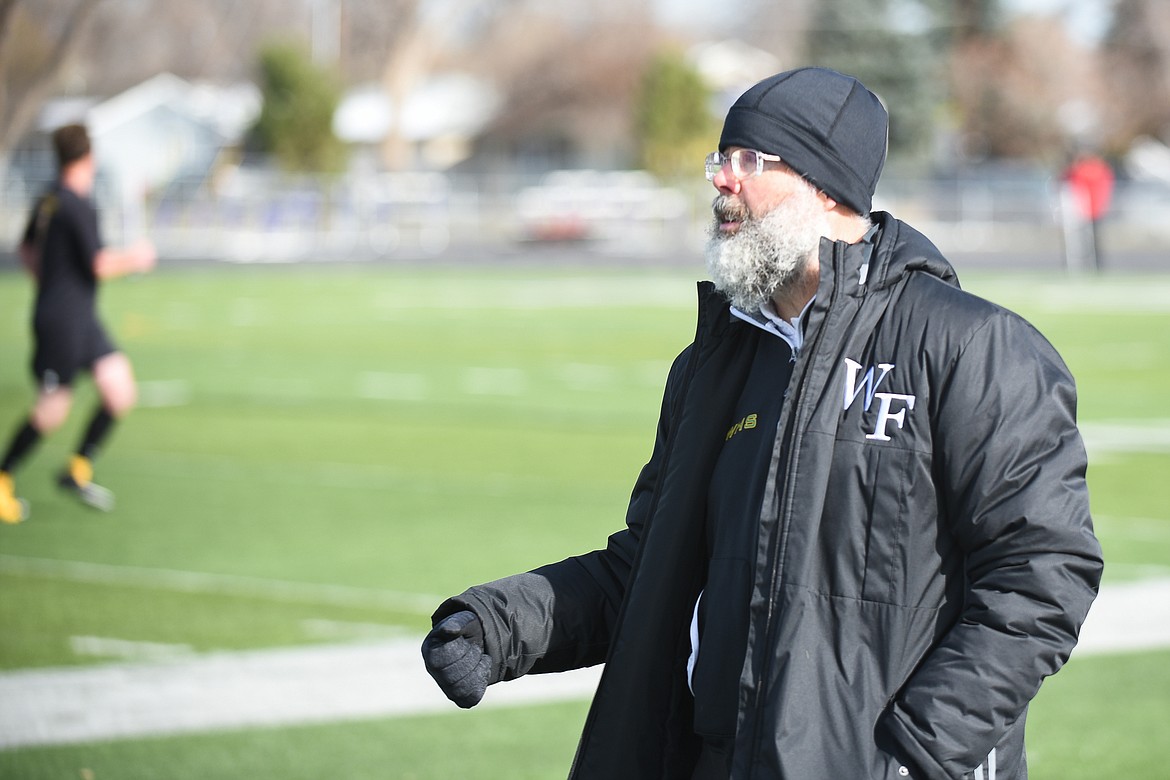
(744, 163)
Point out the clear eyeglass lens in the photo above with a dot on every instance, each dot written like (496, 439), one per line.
(744, 163)
(714, 162)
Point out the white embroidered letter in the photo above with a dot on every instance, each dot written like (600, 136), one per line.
(884, 416)
(852, 389)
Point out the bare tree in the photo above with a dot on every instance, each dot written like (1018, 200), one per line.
(569, 84)
(215, 40)
(6, 9)
(82, 47)
(36, 45)
(975, 19)
(1137, 57)
(371, 32)
(779, 27)
(410, 57)
(1024, 92)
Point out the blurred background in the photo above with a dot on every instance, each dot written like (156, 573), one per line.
(365, 129)
(424, 265)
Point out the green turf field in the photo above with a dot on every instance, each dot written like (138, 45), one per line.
(340, 447)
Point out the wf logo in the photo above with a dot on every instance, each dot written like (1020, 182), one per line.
(870, 384)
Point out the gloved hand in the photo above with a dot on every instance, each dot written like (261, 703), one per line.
(454, 656)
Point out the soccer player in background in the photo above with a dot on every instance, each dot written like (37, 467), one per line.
(62, 249)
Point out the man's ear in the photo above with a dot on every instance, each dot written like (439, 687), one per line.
(827, 203)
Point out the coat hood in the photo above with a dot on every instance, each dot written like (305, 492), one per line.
(904, 250)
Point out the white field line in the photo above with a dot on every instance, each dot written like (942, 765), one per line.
(161, 393)
(390, 386)
(236, 690)
(362, 680)
(1126, 436)
(1127, 617)
(675, 292)
(495, 381)
(224, 584)
(1117, 298)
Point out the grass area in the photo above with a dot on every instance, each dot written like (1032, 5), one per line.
(1102, 716)
(334, 449)
(147, 614)
(533, 743)
(354, 419)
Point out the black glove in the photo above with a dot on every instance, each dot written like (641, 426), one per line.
(453, 654)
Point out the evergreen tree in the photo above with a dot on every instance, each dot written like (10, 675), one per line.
(894, 48)
(296, 120)
(674, 122)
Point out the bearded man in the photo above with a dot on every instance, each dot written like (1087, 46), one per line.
(862, 539)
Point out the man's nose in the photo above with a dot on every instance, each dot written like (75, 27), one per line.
(725, 181)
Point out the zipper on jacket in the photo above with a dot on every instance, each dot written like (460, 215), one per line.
(788, 458)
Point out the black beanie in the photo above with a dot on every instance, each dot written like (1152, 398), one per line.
(826, 126)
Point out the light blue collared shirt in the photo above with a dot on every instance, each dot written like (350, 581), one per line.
(766, 318)
(792, 331)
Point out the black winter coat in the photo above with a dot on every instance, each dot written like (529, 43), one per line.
(925, 555)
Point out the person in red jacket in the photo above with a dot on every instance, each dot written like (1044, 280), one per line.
(1089, 180)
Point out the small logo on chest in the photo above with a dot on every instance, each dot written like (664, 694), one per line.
(747, 423)
(892, 407)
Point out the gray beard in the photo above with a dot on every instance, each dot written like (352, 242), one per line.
(767, 254)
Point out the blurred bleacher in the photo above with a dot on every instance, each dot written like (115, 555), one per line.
(256, 216)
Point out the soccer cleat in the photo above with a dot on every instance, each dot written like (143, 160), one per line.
(12, 509)
(78, 480)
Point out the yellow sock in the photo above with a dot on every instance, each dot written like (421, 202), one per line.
(12, 510)
(81, 469)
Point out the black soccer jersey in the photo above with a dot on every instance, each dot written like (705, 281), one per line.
(63, 229)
